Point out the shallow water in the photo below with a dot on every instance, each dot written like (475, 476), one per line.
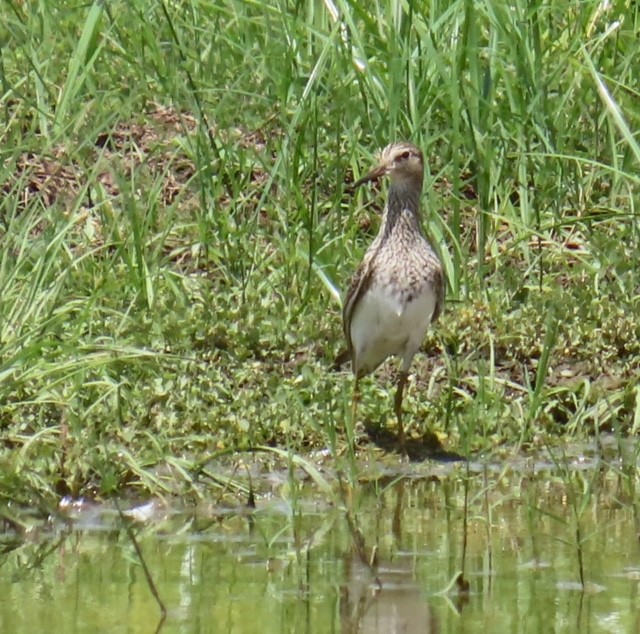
(294, 566)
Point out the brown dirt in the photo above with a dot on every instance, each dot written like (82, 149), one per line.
(55, 178)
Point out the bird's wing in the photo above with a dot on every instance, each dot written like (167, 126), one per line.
(357, 287)
(341, 358)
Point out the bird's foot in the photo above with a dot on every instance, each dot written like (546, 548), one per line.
(402, 445)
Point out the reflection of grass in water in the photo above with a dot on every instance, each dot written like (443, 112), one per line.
(175, 232)
(587, 490)
(298, 544)
(570, 501)
(578, 494)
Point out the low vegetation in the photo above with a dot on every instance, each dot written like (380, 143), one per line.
(176, 229)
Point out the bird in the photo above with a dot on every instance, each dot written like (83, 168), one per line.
(398, 290)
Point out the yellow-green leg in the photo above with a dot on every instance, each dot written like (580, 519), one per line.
(351, 433)
(354, 402)
(402, 381)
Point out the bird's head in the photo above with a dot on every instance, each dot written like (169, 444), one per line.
(402, 162)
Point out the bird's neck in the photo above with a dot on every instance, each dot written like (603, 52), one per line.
(403, 208)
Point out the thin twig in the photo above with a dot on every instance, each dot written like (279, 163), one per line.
(143, 563)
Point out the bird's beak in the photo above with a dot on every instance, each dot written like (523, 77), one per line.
(373, 175)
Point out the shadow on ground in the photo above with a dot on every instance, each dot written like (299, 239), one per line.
(427, 447)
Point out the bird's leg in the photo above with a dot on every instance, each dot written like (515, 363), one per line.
(354, 406)
(402, 381)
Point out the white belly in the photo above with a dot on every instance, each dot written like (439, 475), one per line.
(383, 325)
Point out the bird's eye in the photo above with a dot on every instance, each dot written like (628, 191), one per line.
(405, 155)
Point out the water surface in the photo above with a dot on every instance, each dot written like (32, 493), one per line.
(550, 546)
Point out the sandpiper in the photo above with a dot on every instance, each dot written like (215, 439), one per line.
(398, 289)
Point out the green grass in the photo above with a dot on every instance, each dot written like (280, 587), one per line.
(176, 234)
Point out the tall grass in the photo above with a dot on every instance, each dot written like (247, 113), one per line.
(175, 226)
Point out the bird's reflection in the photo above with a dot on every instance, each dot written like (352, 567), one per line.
(387, 602)
(382, 596)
